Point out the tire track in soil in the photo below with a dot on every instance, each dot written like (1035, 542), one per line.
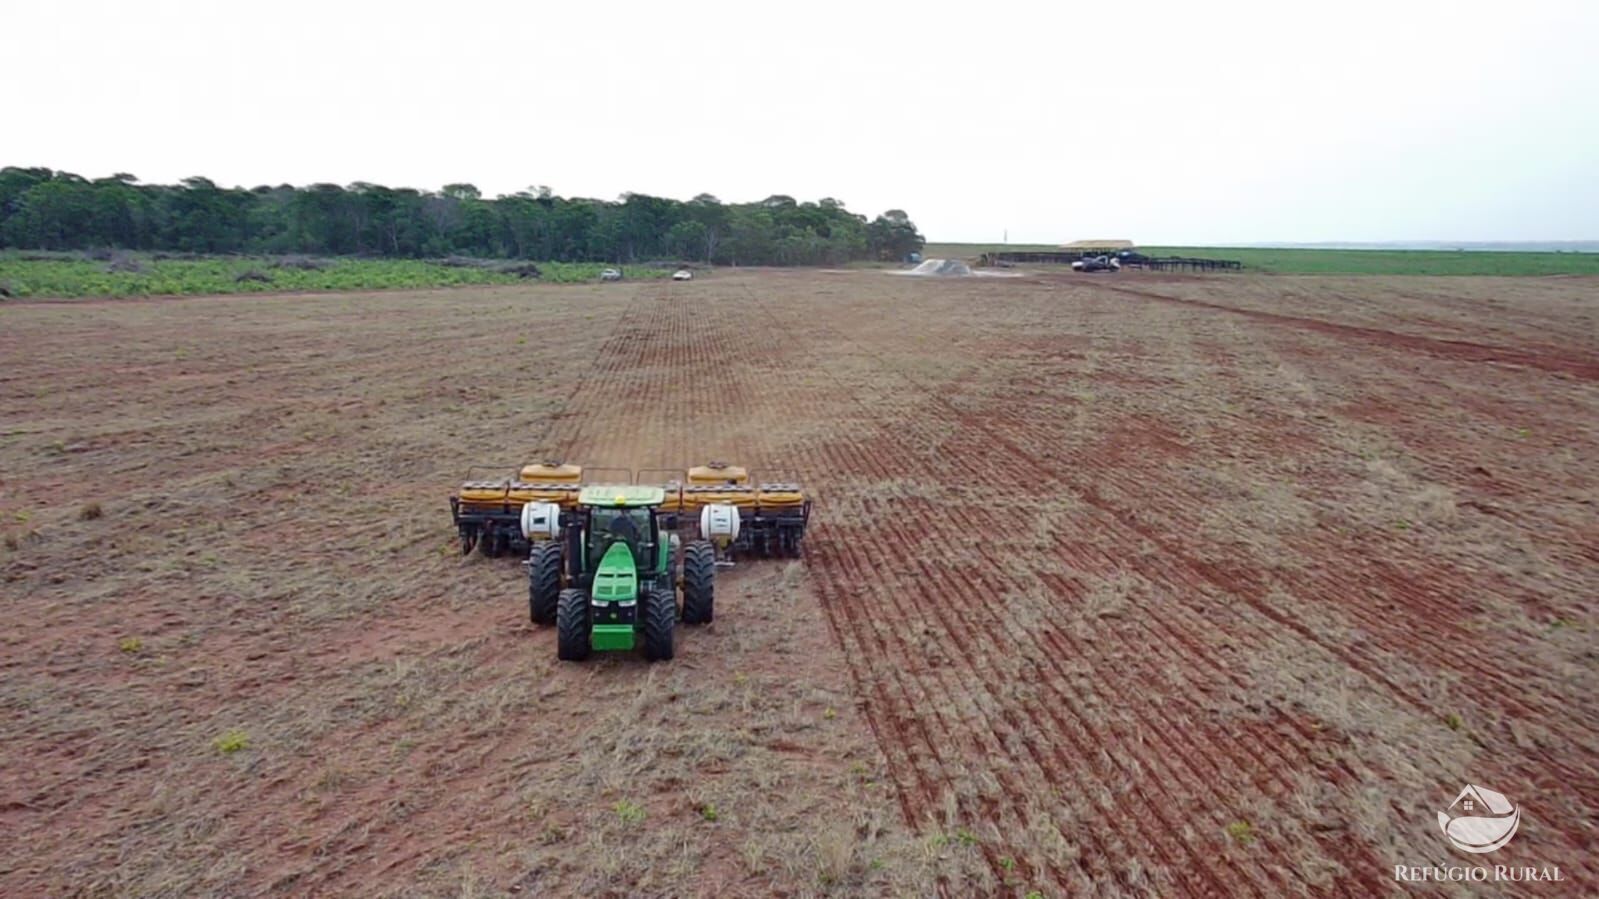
(1550, 359)
(607, 368)
(939, 719)
(1538, 765)
(717, 346)
(1249, 584)
(1003, 640)
(909, 753)
(907, 707)
(1286, 715)
(1490, 686)
(1406, 590)
(1000, 644)
(1506, 686)
(1404, 410)
(909, 759)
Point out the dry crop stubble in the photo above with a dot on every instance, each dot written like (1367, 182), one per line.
(1105, 578)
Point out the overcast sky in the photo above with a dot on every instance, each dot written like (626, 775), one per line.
(1181, 123)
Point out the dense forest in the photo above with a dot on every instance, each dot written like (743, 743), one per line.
(46, 210)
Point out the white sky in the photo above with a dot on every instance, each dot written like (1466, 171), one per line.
(1179, 123)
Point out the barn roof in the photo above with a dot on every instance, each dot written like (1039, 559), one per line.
(1098, 245)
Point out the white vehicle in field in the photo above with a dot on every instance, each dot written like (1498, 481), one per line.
(610, 274)
(682, 274)
(1097, 264)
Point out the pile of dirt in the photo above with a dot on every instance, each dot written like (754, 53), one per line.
(943, 268)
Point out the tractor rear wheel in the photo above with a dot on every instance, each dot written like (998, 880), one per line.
(544, 582)
(572, 625)
(699, 583)
(658, 615)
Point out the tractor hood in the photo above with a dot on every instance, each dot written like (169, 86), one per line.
(620, 495)
(616, 579)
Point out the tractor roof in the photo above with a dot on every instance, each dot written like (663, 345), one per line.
(621, 495)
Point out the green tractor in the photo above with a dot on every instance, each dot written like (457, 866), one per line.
(607, 579)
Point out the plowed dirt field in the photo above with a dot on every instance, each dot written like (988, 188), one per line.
(1115, 585)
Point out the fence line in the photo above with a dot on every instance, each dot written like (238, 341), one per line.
(1136, 260)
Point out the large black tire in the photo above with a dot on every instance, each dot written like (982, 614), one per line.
(572, 625)
(544, 582)
(699, 583)
(659, 619)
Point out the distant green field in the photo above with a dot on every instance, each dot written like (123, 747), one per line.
(1293, 261)
(69, 275)
(963, 250)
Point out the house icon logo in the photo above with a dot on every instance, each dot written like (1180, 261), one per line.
(1480, 820)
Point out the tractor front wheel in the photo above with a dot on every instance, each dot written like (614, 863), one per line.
(699, 583)
(544, 582)
(659, 619)
(572, 625)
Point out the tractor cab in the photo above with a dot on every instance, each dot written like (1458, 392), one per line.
(611, 525)
(625, 516)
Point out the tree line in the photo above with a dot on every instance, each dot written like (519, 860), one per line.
(49, 210)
